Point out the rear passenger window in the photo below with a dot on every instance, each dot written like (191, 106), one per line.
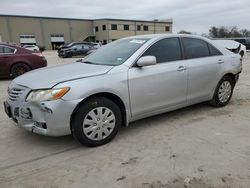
(213, 51)
(195, 48)
(165, 50)
(6, 50)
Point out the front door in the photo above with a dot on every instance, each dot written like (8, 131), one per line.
(162, 85)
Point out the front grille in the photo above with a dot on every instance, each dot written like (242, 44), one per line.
(15, 93)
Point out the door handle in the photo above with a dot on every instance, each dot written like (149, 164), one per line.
(220, 61)
(5, 57)
(181, 68)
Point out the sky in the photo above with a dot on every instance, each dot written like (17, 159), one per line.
(191, 15)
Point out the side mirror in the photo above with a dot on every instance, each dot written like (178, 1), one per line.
(146, 61)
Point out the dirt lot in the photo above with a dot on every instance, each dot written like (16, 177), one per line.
(199, 146)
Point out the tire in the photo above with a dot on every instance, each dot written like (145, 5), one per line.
(225, 85)
(88, 126)
(19, 69)
(69, 55)
(64, 56)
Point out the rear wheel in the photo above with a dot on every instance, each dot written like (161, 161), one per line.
(19, 69)
(96, 122)
(223, 92)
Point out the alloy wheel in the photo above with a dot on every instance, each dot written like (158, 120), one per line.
(20, 70)
(225, 91)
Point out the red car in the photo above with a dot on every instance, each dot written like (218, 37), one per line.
(15, 61)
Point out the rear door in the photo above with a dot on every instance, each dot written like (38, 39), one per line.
(6, 57)
(162, 85)
(204, 63)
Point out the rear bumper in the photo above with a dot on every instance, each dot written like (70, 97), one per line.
(39, 63)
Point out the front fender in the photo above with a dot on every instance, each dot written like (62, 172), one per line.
(114, 83)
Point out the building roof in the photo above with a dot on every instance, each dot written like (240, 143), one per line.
(44, 17)
(115, 19)
(80, 19)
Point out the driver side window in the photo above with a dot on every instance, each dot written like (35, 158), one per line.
(165, 50)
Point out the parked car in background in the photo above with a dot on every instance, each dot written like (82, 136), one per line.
(233, 46)
(91, 51)
(126, 80)
(244, 41)
(31, 47)
(68, 45)
(95, 45)
(15, 61)
(75, 50)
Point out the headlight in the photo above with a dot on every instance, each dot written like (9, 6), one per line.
(46, 94)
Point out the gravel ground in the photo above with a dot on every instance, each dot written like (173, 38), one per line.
(198, 146)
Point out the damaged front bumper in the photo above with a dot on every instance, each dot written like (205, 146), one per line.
(51, 118)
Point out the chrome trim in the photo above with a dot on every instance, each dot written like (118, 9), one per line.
(15, 93)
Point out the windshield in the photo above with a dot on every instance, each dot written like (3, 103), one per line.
(115, 53)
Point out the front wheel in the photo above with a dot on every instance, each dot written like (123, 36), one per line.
(96, 122)
(69, 55)
(223, 92)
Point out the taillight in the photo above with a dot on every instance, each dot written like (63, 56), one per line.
(38, 54)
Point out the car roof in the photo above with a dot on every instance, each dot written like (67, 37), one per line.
(156, 36)
(9, 45)
(18, 48)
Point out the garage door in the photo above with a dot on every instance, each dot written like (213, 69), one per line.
(57, 38)
(27, 39)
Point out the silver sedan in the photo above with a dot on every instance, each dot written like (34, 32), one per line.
(126, 80)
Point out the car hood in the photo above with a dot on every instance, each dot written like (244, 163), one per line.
(49, 77)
